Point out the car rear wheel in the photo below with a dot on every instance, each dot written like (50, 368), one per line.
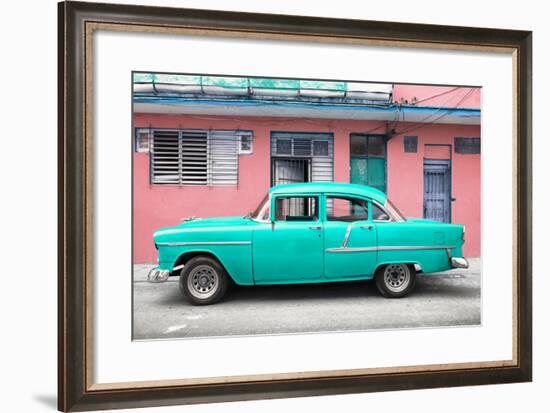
(203, 281)
(395, 280)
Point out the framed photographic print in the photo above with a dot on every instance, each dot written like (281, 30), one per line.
(261, 206)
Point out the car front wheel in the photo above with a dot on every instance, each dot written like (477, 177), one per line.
(203, 281)
(395, 280)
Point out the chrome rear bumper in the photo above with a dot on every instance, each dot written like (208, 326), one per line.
(158, 276)
(459, 262)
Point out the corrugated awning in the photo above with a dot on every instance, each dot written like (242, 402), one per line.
(293, 98)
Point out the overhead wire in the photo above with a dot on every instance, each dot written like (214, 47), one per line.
(330, 122)
(422, 123)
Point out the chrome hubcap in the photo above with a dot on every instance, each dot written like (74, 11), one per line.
(203, 281)
(397, 277)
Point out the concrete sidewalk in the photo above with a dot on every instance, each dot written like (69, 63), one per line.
(451, 298)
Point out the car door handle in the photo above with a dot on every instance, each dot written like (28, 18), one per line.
(317, 227)
(366, 226)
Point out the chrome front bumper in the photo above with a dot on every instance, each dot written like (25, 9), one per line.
(158, 276)
(459, 262)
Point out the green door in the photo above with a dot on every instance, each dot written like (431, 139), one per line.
(350, 239)
(368, 160)
(289, 249)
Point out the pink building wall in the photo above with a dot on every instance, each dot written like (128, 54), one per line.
(438, 96)
(405, 183)
(158, 206)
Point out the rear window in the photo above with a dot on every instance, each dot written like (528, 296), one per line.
(346, 209)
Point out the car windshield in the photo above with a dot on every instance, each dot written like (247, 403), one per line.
(397, 215)
(261, 213)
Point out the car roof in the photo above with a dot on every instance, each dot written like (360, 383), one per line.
(339, 188)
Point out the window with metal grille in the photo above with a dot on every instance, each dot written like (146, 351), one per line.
(320, 148)
(301, 147)
(410, 144)
(301, 157)
(196, 157)
(467, 145)
(283, 146)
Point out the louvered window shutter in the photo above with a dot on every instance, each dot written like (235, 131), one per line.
(224, 157)
(196, 157)
(165, 163)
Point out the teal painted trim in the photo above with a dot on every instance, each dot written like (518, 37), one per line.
(231, 82)
(225, 82)
(143, 77)
(320, 85)
(279, 84)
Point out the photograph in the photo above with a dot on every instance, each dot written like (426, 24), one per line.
(272, 205)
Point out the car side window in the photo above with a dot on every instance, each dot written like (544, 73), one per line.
(346, 209)
(378, 214)
(297, 208)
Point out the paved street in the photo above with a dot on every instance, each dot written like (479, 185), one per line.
(448, 299)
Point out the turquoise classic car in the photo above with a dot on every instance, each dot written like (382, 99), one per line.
(307, 233)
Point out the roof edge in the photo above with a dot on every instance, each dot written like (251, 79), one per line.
(331, 187)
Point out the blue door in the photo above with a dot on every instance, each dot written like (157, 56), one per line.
(437, 189)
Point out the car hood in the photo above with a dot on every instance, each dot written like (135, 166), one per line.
(192, 227)
(214, 222)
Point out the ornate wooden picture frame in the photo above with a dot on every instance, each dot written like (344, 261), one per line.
(77, 22)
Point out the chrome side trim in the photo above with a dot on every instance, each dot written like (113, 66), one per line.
(345, 241)
(177, 267)
(345, 249)
(389, 248)
(415, 247)
(186, 244)
(417, 268)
